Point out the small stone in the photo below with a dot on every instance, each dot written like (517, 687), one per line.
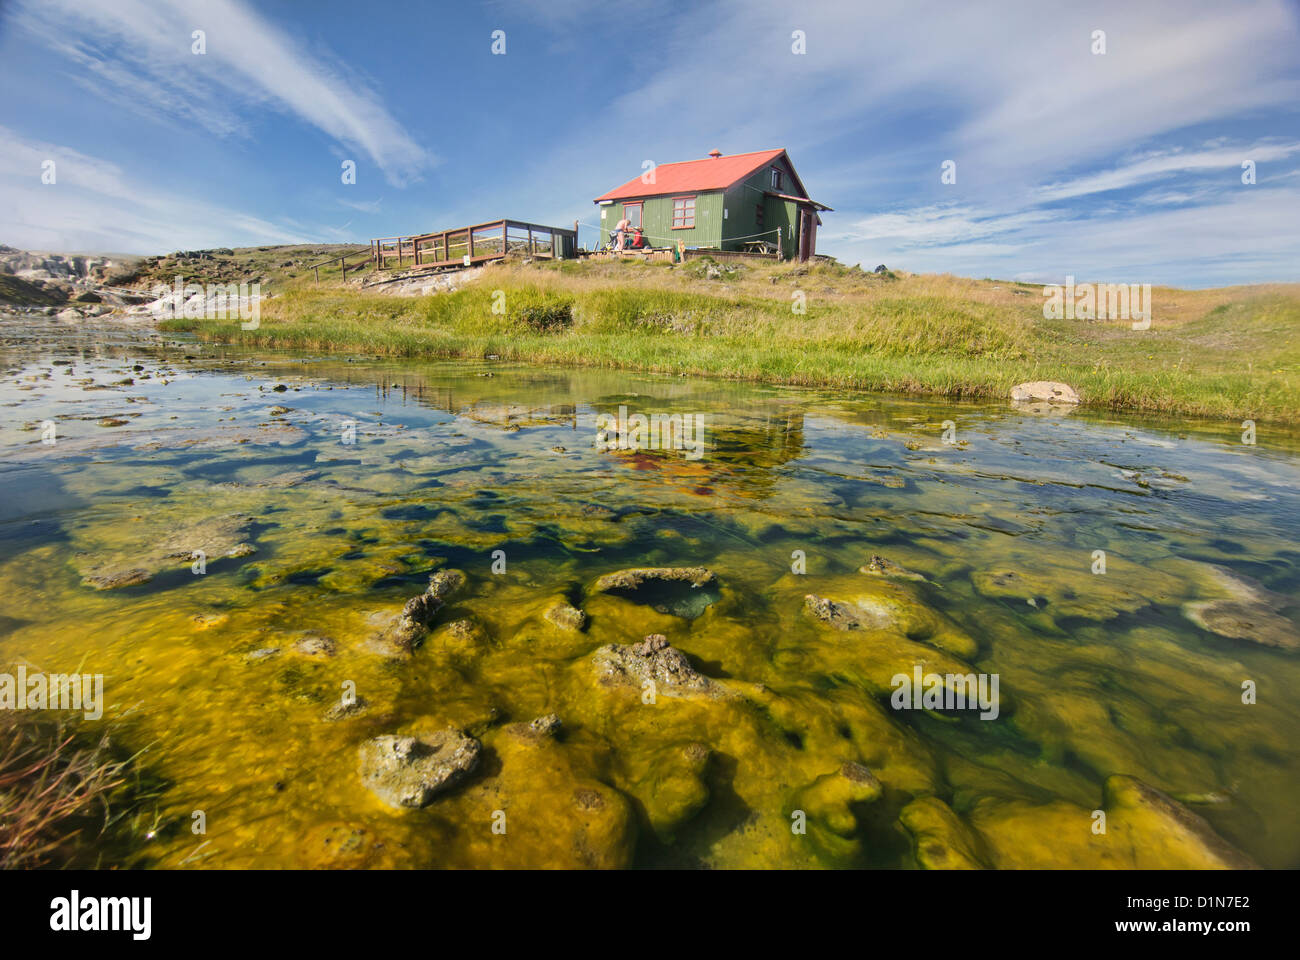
(566, 617)
(315, 646)
(548, 725)
(411, 771)
(345, 709)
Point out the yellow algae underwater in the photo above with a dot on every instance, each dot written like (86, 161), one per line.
(235, 555)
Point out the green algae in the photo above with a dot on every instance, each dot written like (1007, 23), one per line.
(1103, 676)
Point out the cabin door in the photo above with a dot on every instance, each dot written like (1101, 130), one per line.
(807, 234)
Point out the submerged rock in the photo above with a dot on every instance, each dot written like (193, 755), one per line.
(314, 645)
(113, 579)
(411, 771)
(1163, 817)
(673, 788)
(556, 809)
(884, 604)
(844, 616)
(879, 566)
(828, 803)
(654, 659)
(1247, 612)
(341, 846)
(941, 841)
(1145, 830)
(566, 617)
(179, 546)
(1244, 621)
(1062, 585)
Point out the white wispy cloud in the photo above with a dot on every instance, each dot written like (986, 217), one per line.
(1164, 163)
(93, 205)
(140, 53)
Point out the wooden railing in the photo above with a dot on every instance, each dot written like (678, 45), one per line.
(465, 246)
(343, 262)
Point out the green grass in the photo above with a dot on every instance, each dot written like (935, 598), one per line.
(1220, 353)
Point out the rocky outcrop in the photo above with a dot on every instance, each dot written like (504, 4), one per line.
(411, 771)
(44, 281)
(654, 659)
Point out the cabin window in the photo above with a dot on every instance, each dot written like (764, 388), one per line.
(758, 214)
(683, 213)
(778, 181)
(632, 212)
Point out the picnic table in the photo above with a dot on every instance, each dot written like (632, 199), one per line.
(759, 246)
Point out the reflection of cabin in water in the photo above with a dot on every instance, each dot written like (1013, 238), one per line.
(749, 202)
(767, 441)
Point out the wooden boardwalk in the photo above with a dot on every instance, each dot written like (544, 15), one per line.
(467, 246)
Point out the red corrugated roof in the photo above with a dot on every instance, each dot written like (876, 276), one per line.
(693, 176)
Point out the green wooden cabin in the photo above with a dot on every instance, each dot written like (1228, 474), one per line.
(720, 203)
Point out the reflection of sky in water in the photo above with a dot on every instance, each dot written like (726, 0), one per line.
(1103, 675)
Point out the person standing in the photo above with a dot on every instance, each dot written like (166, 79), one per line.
(620, 232)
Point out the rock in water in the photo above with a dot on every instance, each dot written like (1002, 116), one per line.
(652, 659)
(679, 591)
(547, 725)
(940, 840)
(844, 616)
(566, 617)
(411, 771)
(635, 577)
(409, 627)
(1052, 391)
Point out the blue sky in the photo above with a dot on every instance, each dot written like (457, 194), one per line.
(1123, 167)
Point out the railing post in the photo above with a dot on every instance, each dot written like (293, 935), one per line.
(469, 241)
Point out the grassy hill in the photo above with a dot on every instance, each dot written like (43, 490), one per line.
(1231, 352)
